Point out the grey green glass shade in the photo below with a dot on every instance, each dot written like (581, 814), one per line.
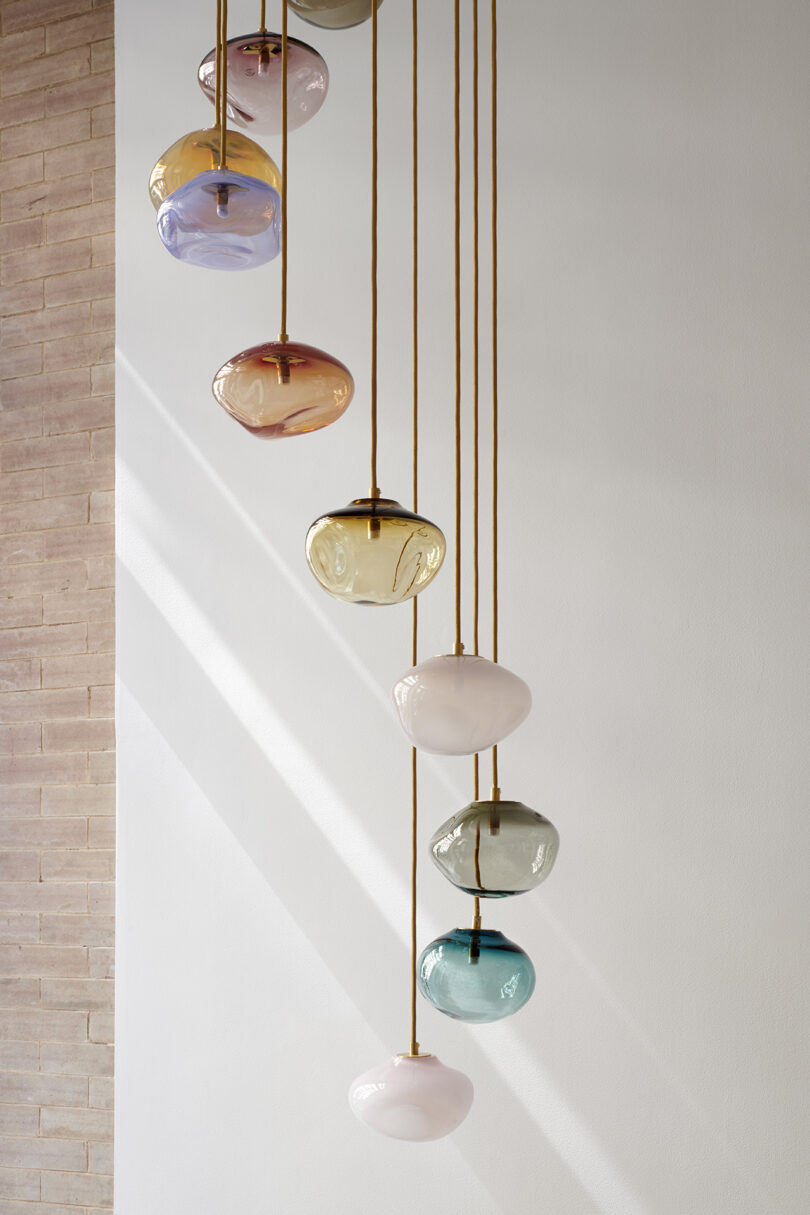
(476, 974)
(254, 82)
(283, 388)
(222, 221)
(493, 849)
(373, 551)
(333, 14)
(198, 152)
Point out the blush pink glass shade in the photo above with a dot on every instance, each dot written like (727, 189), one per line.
(460, 704)
(412, 1097)
(283, 388)
(254, 82)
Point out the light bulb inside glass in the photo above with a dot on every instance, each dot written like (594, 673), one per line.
(198, 152)
(476, 975)
(373, 551)
(412, 1097)
(457, 704)
(493, 849)
(333, 14)
(254, 82)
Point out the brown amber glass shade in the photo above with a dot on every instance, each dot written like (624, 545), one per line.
(333, 14)
(283, 388)
(373, 551)
(198, 152)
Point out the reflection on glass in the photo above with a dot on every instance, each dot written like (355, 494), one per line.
(333, 14)
(254, 82)
(493, 849)
(222, 220)
(476, 975)
(198, 152)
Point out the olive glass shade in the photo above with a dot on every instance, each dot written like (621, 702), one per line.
(457, 704)
(198, 152)
(373, 551)
(283, 388)
(476, 975)
(333, 14)
(222, 220)
(254, 82)
(412, 1097)
(493, 849)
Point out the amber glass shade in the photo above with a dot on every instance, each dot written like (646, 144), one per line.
(198, 152)
(254, 82)
(373, 551)
(283, 388)
(333, 14)
(493, 849)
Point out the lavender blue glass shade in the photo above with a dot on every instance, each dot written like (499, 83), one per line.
(222, 220)
(254, 82)
(476, 975)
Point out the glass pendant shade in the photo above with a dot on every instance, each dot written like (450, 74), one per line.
(333, 14)
(412, 1097)
(493, 849)
(283, 388)
(198, 152)
(476, 975)
(254, 82)
(222, 220)
(459, 704)
(373, 551)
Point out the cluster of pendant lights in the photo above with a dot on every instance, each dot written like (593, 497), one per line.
(221, 204)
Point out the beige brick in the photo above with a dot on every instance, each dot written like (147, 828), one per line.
(79, 479)
(43, 833)
(37, 1025)
(88, 541)
(22, 1089)
(103, 120)
(102, 963)
(43, 769)
(101, 571)
(41, 1208)
(102, 56)
(70, 607)
(92, 414)
(95, 27)
(45, 325)
(102, 702)
(83, 865)
(20, 928)
(26, 76)
(20, 1119)
(71, 385)
(96, 1124)
(92, 1189)
(42, 1153)
(41, 515)
(18, 423)
(20, 549)
(45, 576)
(101, 768)
(103, 250)
(97, 930)
(103, 184)
(22, 297)
(77, 1060)
(90, 800)
(23, 170)
(99, 1158)
(79, 351)
(102, 1029)
(39, 896)
(102, 506)
(102, 377)
(103, 636)
(16, 110)
(20, 802)
(21, 675)
(44, 197)
(20, 613)
(46, 133)
(85, 994)
(48, 260)
(101, 898)
(86, 735)
(79, 671)
(55, 961)
(19, 866)
(44, 704)
(95, 90)
(102, 444)
(80, 158)
(24, 233)
(19, 1183)
(79, 221)
(23, 15)
(21, 739)
(17, 991)
(21, 360)
(18, 48)
(44, 452)
(102, 315)
(80, 285)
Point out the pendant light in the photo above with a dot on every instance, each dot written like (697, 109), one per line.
(333, 14)
(495, 848)
(283, 388)
(374, 551)
(476, 975)
(222, 219)
(413, 1096)
(254, 99)
(198, 152)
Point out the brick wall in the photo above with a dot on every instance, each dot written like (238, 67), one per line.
(56, 606)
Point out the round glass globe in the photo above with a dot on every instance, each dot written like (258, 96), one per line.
(198, 152)
(457, 704)
(283, 388)
(254, 82)
(222, 220)
(476, 975)
(373, 551)
(493, 849)
(333, 14)
(412, 1097)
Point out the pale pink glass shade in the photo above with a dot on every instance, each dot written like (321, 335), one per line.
(412, 1097)
(460, 704)
(254, 82)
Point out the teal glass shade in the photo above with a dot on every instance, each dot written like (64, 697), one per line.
(495, 848)
(476, 975)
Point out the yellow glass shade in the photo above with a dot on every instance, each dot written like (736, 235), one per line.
(198, 152)
(373, 551)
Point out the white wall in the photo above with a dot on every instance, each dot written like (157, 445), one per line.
(655, 582)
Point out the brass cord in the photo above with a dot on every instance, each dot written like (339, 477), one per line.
(476, 578)
(374, 487)
(414, 1045)
(458, 649)
(263, 18)
(494, 138)
(223, 89)
(282, 337)
(218, 63)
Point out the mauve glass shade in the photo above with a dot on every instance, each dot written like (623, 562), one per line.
(476, 975)
(412, 1097)
(333, 14)
(459, 704)
(283, 388)
(373, 551)
(222, 220)
(495, 849)
(198, 152)
(254, 82)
